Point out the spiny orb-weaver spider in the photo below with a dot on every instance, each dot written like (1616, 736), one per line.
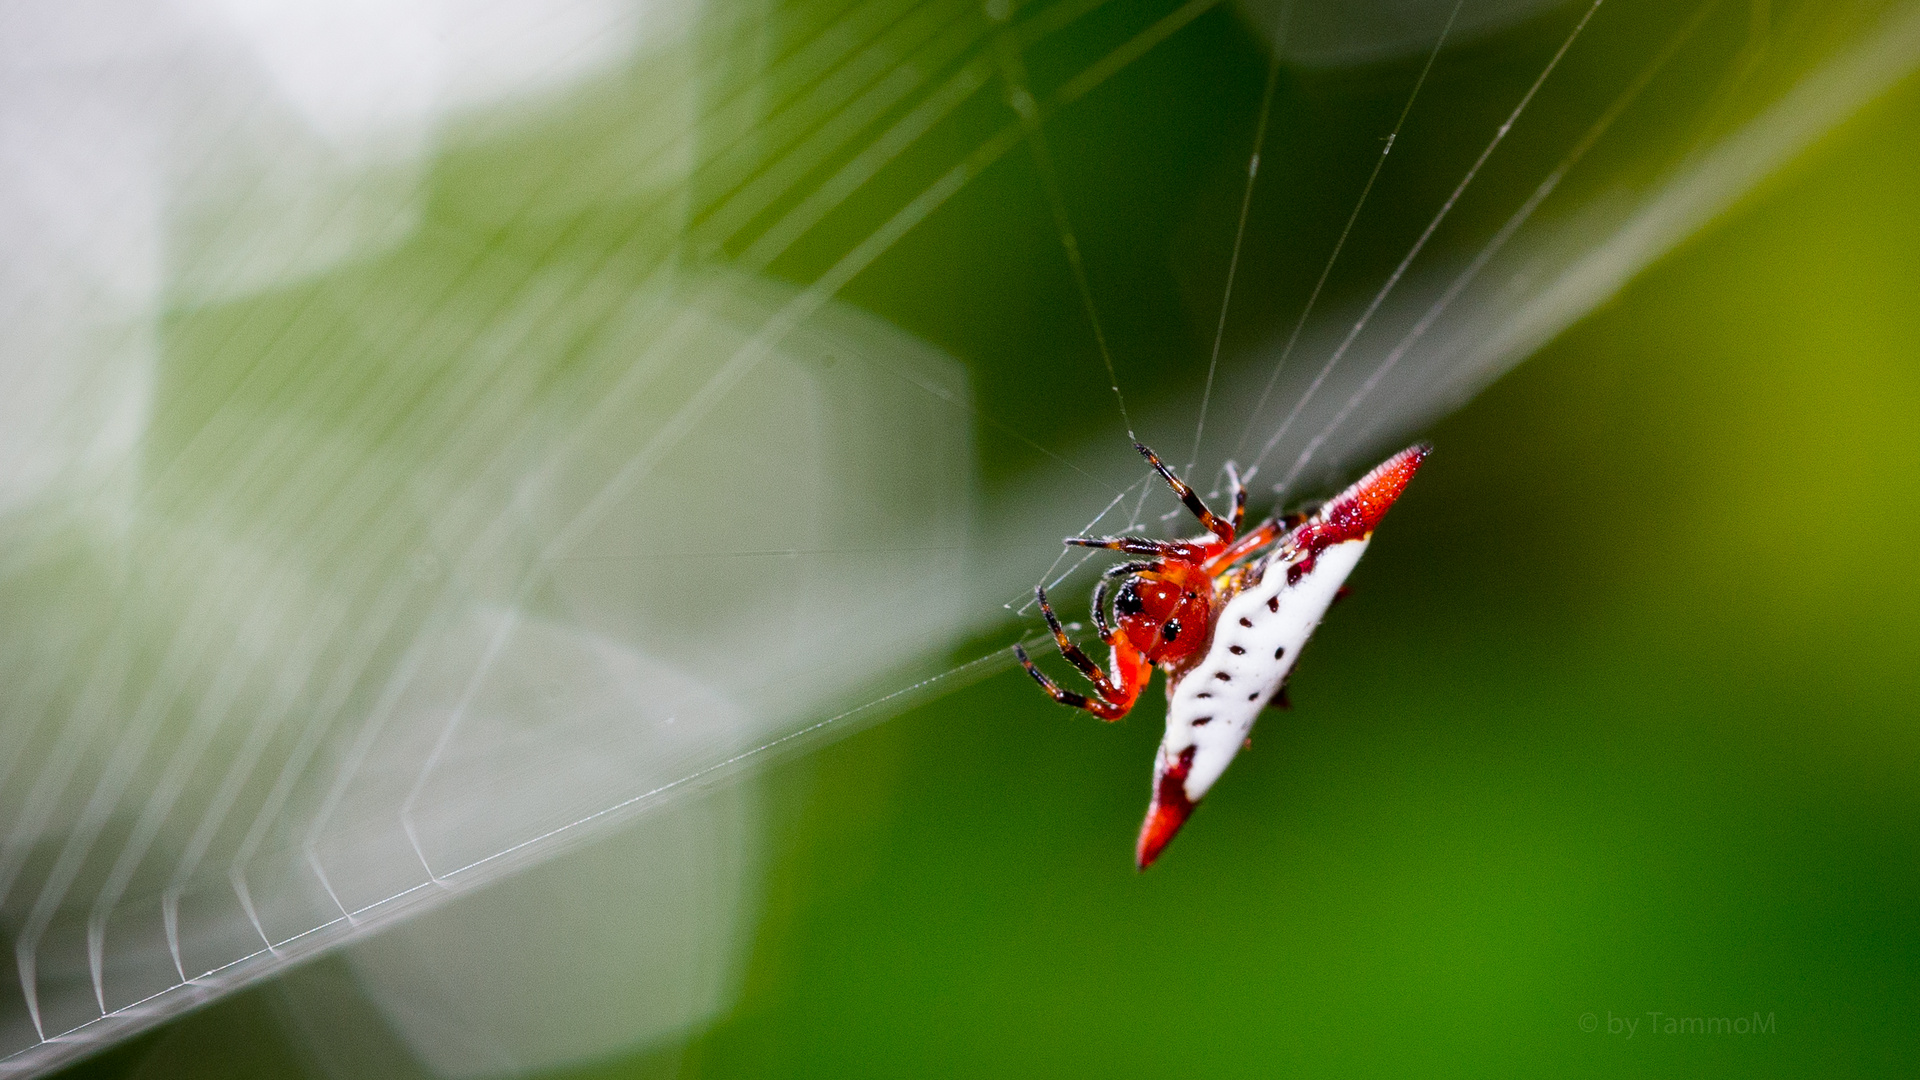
(1225, 628)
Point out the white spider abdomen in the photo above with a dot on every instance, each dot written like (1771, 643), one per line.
(1256, 640)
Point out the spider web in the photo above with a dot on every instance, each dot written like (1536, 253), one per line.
(416, 470)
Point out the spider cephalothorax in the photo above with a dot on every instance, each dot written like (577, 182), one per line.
(1226, 631)
(1166, 603)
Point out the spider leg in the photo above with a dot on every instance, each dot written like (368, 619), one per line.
(1239, 489)
(1126, 568)
(1214, 525)
(1239, 549)
(1103, 710)
(1142, 545)
(1100, 624)
(1073, 654)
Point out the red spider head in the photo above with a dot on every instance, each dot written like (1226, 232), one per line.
(1165, 620)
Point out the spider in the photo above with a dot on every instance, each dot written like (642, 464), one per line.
(1226, 632)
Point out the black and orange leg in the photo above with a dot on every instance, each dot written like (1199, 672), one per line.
(1239, 489)
(1103, 709)
(1215, 525)
(1100, 624)
(1239, 549)
(1176, 550)
(1106, 688)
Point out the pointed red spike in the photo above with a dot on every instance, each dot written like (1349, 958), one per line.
(1168, 811)
(1352, 514)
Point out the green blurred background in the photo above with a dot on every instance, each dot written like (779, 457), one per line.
(1620, 721)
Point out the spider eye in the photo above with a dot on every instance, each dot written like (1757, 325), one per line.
(1156, 617)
